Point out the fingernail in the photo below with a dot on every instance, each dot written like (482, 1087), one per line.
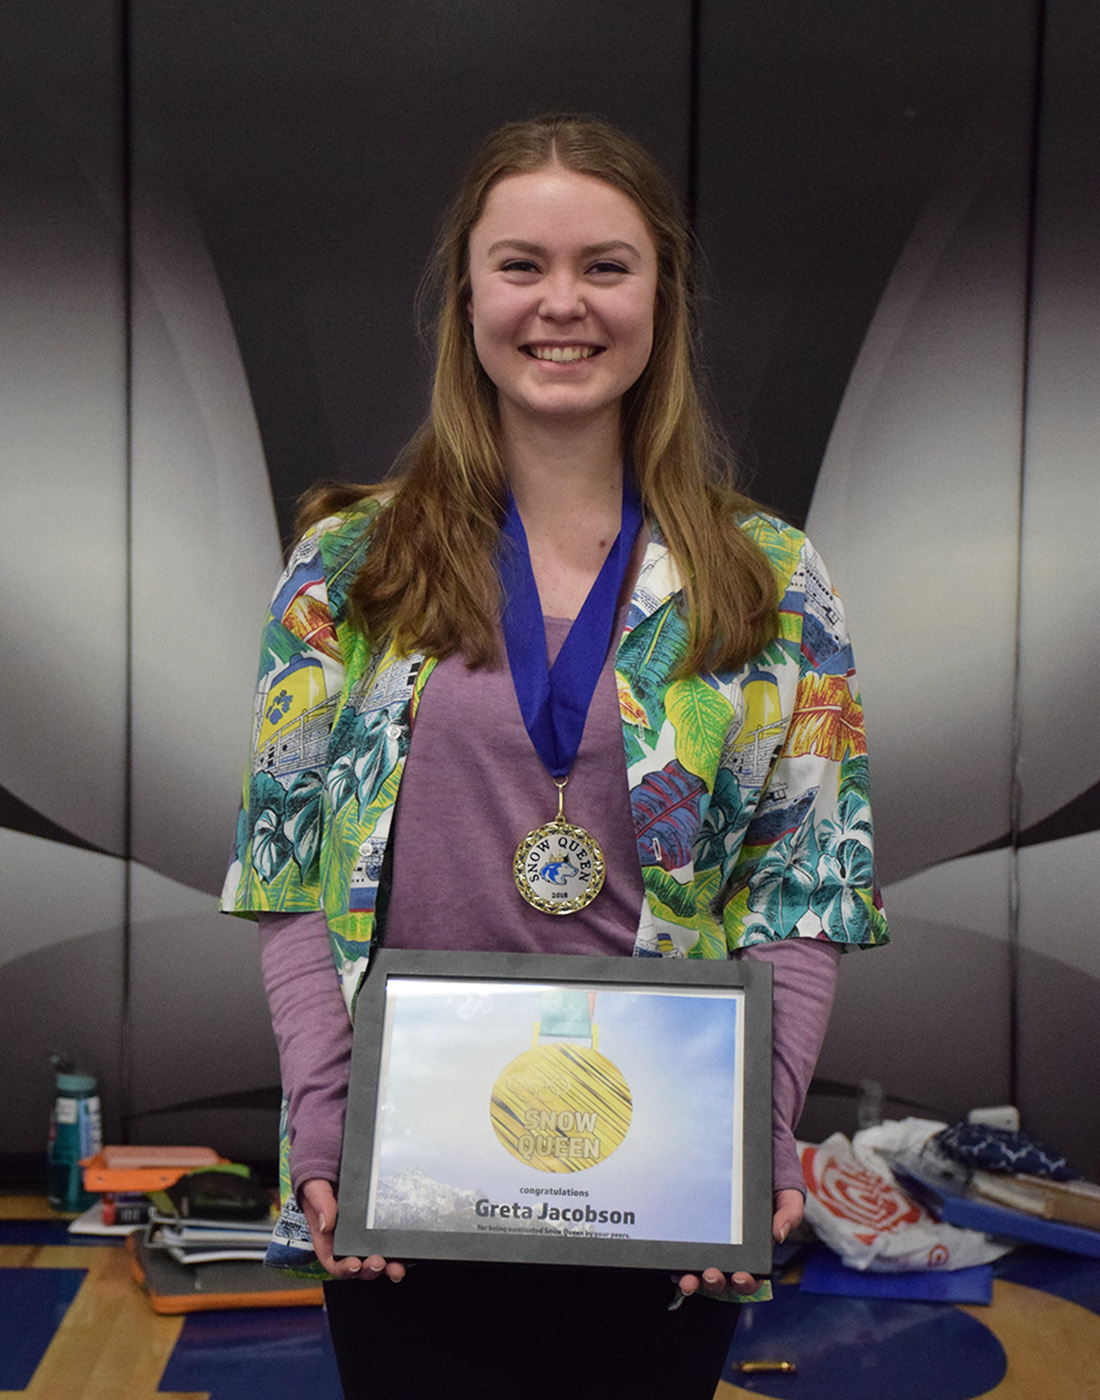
(783, 1233)
(322, 1226)
(354, 1268)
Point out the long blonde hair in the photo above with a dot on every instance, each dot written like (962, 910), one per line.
(429, 578)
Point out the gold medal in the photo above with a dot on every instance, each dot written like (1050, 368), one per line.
(561, 1108)
(559, 867)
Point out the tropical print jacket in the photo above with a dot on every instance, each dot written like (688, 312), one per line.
(748, 789)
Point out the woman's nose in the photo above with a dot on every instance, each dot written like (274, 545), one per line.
(562, 299)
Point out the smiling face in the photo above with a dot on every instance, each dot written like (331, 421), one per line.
(563, 283)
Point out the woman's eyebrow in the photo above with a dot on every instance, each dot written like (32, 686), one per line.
(593, 250)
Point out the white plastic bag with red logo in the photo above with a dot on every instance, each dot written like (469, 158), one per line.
(856, 1207)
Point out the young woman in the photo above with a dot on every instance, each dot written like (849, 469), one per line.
(567, 495)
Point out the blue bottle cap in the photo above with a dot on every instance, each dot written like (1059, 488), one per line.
(76, 1083)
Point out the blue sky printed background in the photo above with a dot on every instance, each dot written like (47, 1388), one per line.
(677, 1052)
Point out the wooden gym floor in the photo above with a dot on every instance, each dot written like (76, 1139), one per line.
(75, 1326)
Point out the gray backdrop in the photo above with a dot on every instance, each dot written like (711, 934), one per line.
(212, 227)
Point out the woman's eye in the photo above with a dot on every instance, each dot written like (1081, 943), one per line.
(606, 268)
(519, 265)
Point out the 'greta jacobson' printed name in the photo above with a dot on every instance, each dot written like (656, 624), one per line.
(545, 1211)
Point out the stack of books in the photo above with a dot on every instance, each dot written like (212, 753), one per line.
(1068, 1202)
(195, 1241)
(126, 1180)
(1058, 1214)
(197, 1228)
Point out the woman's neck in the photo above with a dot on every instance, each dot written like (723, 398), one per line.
(569, 497)
(551, 462)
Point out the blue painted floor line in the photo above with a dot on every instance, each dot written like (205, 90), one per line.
(32, 1304)
(1073, 1277)
(32, 1232)
(277, 1353)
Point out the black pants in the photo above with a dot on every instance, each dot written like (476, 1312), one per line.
(514, 1332)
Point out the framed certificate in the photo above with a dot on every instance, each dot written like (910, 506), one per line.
(564, 1110)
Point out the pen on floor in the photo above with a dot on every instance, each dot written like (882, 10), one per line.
(755, 1368)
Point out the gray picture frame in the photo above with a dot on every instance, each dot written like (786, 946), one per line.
(380, 1057)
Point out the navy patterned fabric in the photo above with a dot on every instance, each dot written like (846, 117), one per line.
(1001, 1150)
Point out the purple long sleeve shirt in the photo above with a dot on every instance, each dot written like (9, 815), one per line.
(474, 784)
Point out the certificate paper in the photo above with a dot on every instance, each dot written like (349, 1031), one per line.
(617, 1118)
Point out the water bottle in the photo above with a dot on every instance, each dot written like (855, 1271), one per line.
(75, 1132)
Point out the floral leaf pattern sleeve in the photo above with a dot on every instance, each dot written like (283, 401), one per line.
(331, 726)
(805, 868)
(276, 863)
(749, 790)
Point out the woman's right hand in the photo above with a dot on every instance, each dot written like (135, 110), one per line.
(318, 1202)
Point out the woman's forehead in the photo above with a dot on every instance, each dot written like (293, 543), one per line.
(555, 201)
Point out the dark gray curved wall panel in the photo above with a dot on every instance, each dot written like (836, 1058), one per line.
(317, 157)
(62, 397)
(863, 194)
(825, 130)
(63, 677)
(288, 178)
(1059, 984)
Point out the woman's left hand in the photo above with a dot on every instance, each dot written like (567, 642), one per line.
(788, 1214)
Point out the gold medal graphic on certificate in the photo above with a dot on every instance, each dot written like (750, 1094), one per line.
(562, 1106)
(559, 867)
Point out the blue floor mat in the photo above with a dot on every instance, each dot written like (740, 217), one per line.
(277, 1353)
(855, 1347)
(32, 1304)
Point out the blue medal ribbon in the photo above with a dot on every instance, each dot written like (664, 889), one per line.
(554, 700)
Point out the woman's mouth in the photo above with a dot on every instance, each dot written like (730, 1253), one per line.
(562, 354)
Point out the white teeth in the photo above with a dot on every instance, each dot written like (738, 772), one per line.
(563, 354)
